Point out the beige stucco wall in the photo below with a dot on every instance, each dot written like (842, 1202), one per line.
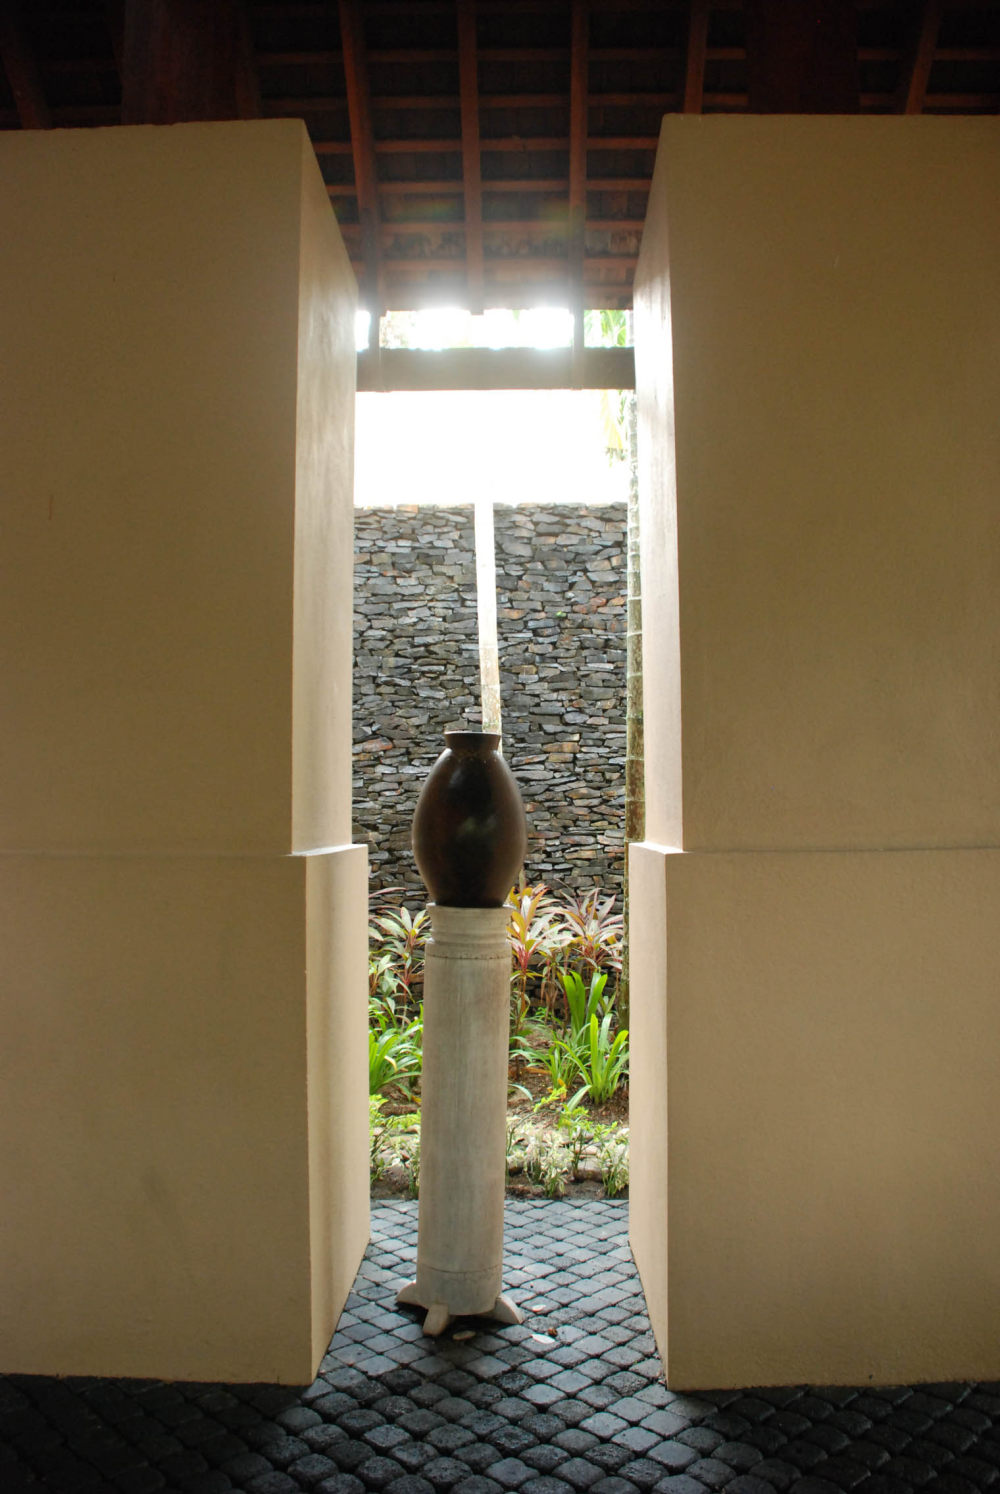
(814, 935)
(183, 999)
(176, 302)
(324, 530)
(827, 1138)
(337, 1077)
(823, 385)
(155, 1154)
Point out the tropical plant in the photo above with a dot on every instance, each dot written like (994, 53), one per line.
(395, 1053)
(602, 1064)
(593, 931)
(542, 1158)
(514, 1157)
(612, 1154)
(582, 1003)
(556, 1060)
(400, 938)
(576, 1125)
(376, 1132)
(382, 983)
(552, 1171)
(535, 940)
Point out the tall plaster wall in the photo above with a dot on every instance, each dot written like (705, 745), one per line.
(815, 959)
(183, 1155)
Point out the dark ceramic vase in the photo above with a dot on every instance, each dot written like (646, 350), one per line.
(469, 831)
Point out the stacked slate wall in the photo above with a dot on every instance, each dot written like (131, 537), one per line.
(561, 626)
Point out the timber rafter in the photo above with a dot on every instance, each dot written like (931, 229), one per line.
(489, 152)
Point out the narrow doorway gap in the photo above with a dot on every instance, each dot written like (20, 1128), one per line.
(466, 474)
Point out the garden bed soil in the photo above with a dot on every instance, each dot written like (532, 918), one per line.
(523, 1107)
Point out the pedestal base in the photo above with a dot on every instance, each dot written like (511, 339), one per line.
(464, 1119)
(439, 1315)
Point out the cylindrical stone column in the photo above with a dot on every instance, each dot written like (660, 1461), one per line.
(463, 1118)
(469, 838)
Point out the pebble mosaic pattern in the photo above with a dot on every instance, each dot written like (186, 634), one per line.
(570, 1401)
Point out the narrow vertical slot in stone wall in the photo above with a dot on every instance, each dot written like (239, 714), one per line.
(561, 624)
(560, 572)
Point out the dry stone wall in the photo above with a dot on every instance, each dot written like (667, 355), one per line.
(561, 624)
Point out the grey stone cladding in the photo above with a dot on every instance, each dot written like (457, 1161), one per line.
(561, 627)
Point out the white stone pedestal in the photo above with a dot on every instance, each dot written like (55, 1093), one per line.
(464, 1119)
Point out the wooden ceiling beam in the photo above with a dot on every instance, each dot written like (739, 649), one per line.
(671, 55)
(352, 41)
(546, 185)
(501, 368)
(694, 66)
(182, 60)
(502, 268)
(579, 82)
(919, 58)
(416, 101)
(544, 227)
(619, 184)
(802, 57)
(523, 145)
(522, 54)
(468, 74)
(21, 67)
(413, 55)
(114, 15)
(325, 103)
(322, 57)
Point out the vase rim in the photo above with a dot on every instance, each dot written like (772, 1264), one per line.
(472, 738)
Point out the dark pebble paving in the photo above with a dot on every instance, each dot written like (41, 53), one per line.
(569, 1402)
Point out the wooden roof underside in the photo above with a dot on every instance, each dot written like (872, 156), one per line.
(482, 152)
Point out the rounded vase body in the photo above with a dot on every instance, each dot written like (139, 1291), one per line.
(469, 830)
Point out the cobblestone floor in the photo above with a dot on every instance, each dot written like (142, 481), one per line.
(572, 1400)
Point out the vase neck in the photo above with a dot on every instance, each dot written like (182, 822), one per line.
(474, 743)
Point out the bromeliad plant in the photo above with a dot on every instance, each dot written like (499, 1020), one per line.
(536, 942)
(594, 931)
(566, 956)
(395, 1017)
(399, 938)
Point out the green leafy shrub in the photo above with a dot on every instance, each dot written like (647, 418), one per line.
(566, 953)
(602, 1064)
(582, 1003)
(395, 1049)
